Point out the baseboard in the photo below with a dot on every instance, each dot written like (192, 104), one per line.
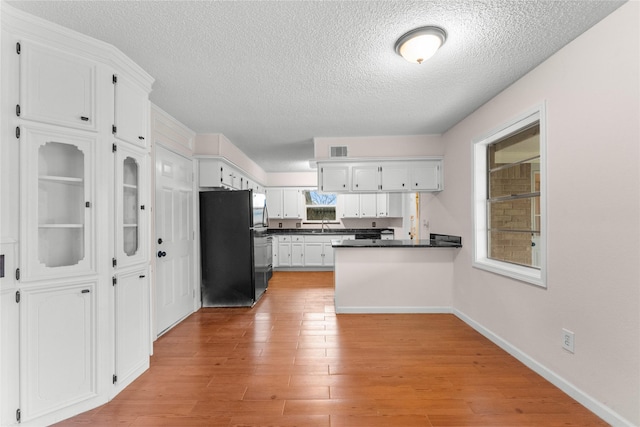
(392, 310)
(604, 412)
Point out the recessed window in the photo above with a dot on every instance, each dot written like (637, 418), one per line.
(320, 206)
(509, 200)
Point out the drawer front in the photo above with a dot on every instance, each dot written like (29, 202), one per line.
(284, 239)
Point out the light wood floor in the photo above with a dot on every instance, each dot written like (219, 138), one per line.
(290, 361)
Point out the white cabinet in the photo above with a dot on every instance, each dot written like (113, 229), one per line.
(366, 178)
(57, 197)
(58, 348)
(368, 208)
(274, 203)
(297, 251)
(291, 203)
(426, 176)
(275, 262)
(350, 205)
(284, 251)
(333, 179)
(56, 87)
(131, 296)
(284, 203)
(10, 356)
(374, 205)
(130, 206)
(131, 111)
(318, 251)
(395, 177)
(389, 205)
(216, 172)
(406, 175)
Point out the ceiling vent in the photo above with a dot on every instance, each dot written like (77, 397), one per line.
(340, 151)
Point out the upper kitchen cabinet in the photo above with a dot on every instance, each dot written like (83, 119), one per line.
(333, 178)
(217, 172)
(57, 201)
(130, 206)
(405, 175)
(423, 175)
(284, 203)
(56, 87)
(131, 115)
(365, 178)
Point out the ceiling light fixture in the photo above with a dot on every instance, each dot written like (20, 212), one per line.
(420, 44)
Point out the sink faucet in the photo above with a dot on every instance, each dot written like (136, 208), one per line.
(322, 225)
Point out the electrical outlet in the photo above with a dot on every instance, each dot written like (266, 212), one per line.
(279, 225)
(568, 340)
(373, 224)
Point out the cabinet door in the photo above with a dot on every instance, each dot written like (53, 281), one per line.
(313, 255)
(132, 335)
(275, 253)
(368, 208)
(334, 178)
(57, 194)
(327, 254)
(395, 177)
(209, 173)
(131, 111)
(131, 211)
(57, 87)
(284, 254)
(350, 205)
(426, 176)
(297, 254)
(274, 203)
(366, 178)
(10, 356)
(382, 205)
(58, 348)
(291, 201)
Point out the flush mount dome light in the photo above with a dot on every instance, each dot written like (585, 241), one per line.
(420, 44)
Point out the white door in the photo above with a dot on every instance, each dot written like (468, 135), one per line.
(175, 289)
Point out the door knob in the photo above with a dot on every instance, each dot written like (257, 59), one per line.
(161, 254)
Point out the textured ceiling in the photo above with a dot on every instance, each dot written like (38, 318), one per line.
(272, 75)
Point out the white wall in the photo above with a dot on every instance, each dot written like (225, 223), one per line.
(592, 93)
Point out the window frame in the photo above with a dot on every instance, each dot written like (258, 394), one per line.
(316, 221)
(531, 275)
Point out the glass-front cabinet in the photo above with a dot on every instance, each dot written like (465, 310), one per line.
(57, 202)
(130, 208)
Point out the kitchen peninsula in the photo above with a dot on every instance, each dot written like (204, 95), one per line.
(395, 276)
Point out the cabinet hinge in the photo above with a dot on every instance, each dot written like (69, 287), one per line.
(115, 378)
(18, 132)
(18, 110)
(18, 297)
(17, 274)
(114, 280)
(18, 52)
(87, 204)
(114, 129)
(114, 79)
(114, 262)
(114, 148)
(18, 415)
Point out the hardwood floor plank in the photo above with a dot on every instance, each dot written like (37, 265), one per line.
(291, 361)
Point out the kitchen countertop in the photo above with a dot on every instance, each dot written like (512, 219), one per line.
(337, 231)
(380, 243)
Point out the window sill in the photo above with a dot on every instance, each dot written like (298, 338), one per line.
(529, 275)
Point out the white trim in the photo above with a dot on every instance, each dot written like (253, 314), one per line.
(530, 275)
(393, 310)
(589, 402)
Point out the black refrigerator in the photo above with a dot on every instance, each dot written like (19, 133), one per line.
(234, 264)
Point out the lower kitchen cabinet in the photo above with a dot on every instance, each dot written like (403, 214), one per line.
(131, 296)
(58, 348)
(10, 356)
(297, 251)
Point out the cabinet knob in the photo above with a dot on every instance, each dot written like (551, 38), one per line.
(141, 138)
(159, 241)
(161, 254)
(84, 119)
